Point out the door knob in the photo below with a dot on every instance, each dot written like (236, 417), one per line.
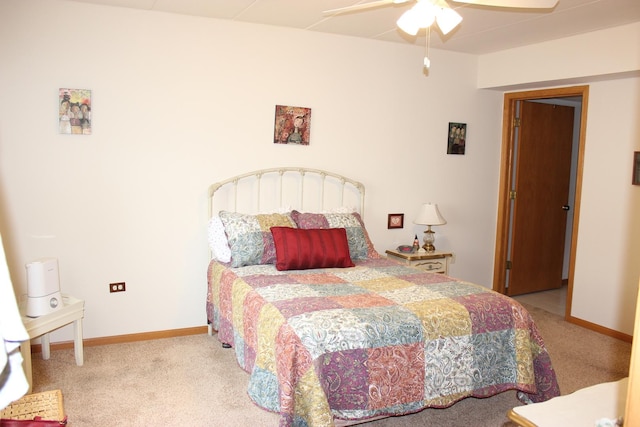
(565, 207)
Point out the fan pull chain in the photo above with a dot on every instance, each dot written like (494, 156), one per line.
(427, 61)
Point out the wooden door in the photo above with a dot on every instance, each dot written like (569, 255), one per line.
(540, 197)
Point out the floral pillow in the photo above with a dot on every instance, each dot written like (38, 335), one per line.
(360, 246)
(249, 236)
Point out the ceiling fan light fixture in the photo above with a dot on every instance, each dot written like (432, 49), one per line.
(408, 23)
(447, 19)
(421, 15)
(424, 12)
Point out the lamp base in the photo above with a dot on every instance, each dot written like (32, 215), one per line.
(429, 238)
(429, 247)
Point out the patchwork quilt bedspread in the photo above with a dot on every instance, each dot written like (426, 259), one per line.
(376, 339)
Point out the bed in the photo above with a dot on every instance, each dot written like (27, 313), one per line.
(331, 332)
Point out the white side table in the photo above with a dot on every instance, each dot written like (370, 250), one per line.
(72, 311)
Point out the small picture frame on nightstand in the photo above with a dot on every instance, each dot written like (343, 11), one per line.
(395, 221)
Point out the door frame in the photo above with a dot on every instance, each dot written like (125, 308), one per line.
(506, 174)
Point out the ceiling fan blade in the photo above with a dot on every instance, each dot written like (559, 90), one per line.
(525, 4)
(362, 6)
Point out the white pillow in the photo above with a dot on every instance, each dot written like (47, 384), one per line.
(218, 240)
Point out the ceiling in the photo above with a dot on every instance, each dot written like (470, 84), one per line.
(483, 29)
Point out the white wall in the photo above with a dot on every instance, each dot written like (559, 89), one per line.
(180, 102)
(582, 58)
(608, 257)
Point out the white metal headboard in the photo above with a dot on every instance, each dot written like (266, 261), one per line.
(269, 190)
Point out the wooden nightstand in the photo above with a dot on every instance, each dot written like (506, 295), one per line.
(434, 262)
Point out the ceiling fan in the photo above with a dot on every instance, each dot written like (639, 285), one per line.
(524, 4)
(425, 12)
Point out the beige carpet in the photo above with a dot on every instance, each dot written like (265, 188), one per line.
(192, 381)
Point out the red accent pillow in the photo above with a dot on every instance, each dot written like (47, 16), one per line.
(299, 249)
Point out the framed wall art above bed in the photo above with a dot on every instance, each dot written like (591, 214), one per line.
(292, 125)
(332, 333)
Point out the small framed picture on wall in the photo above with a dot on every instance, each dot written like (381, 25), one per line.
(74, 111)
(395, 221)
(636, 168)
(457, 138)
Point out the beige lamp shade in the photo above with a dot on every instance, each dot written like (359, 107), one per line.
(429, 215)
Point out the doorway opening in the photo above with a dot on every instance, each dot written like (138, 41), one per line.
(511, 165)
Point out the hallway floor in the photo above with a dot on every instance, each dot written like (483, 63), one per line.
(553, 301)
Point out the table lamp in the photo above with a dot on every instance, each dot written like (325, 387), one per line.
(429, 215)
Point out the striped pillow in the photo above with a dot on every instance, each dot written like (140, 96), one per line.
(298, 249)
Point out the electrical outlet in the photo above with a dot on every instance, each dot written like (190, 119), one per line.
(117, 287)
